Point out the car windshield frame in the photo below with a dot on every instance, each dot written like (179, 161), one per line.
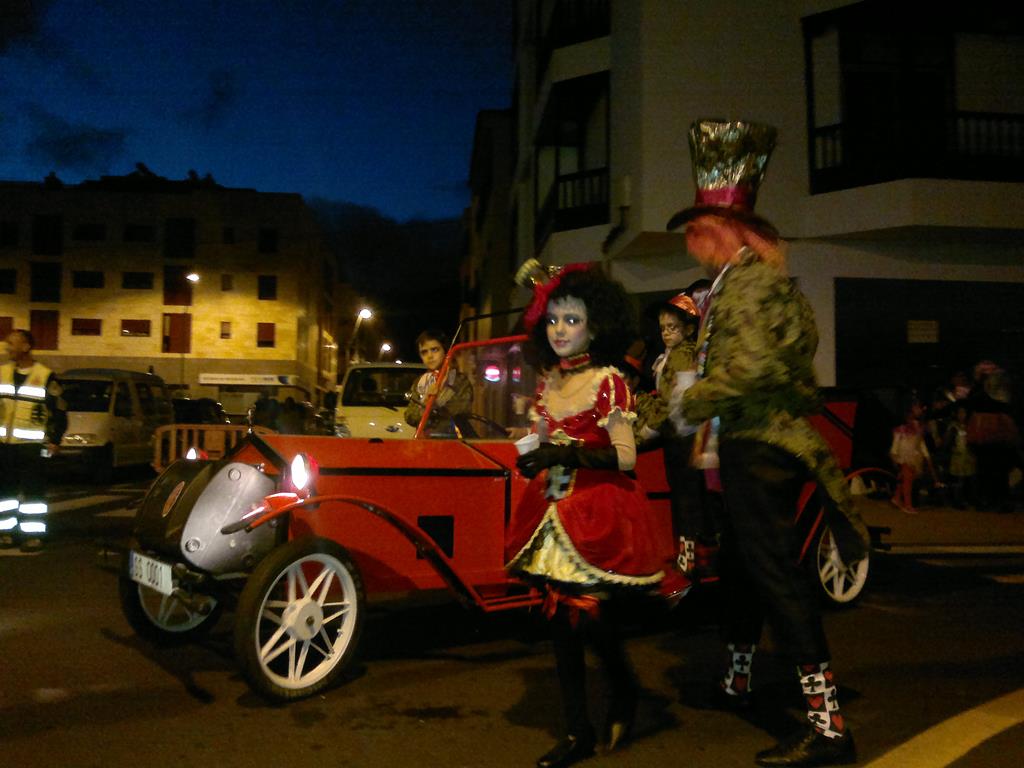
(503, 383)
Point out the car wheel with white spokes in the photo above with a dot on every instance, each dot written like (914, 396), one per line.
(166, 619)
(841, 584)
(299, 619)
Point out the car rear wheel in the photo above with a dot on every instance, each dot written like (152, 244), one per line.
(840, 584)
(299, 619)
(166, 619)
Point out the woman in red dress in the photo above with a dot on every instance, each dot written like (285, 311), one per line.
(583, 531)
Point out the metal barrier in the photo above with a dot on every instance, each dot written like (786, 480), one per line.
(172, 441)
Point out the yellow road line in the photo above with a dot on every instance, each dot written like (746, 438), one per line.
(951, 739)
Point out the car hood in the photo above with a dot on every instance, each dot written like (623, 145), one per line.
(375, 421)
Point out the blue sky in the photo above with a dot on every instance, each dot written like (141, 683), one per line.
(366, 101)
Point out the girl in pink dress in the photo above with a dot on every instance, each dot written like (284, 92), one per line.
(583, 531)
(910, 455)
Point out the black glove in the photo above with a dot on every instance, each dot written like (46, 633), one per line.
(548, 455)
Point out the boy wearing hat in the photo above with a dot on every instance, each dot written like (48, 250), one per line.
(755, 374)
(658, 414)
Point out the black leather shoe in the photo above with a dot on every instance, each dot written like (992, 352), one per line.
(809, 748)
(715, 697)
(569, 750)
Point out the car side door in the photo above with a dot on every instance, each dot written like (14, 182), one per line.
(127, 422)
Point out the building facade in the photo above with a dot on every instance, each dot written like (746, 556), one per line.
(222, 292)
(897, 178)
(488, 264)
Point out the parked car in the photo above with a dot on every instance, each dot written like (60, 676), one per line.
(112, 415)
(300, 533)
(199, 410)
(372, 400)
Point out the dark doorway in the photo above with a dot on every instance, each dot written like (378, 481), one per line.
(916, 333)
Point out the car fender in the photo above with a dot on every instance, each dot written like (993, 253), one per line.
(426, 547)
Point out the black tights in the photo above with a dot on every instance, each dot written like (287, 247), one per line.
(604, 637)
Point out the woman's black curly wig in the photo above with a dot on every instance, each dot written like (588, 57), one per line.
(610, 319)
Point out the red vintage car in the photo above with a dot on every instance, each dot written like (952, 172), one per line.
(298, 533)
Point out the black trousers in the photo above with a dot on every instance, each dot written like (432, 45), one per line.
(761, 577)
(22, 471)
(691, 516)
(22, 476)
(569, 641)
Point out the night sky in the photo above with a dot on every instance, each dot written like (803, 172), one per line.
(366, 101)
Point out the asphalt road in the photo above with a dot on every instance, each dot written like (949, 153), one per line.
(930, 664)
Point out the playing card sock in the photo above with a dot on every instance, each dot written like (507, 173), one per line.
(819, 690)
(737, 676)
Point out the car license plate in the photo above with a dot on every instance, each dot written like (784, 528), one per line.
(150, 573)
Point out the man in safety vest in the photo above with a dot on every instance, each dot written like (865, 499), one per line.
(33, 418)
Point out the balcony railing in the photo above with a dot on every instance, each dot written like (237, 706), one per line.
(572, 21)
(574, 201)
(981, 146)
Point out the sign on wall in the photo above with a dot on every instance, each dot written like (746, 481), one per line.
(250, 379)
(922, 331)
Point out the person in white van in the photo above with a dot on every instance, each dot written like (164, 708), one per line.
(34, 418)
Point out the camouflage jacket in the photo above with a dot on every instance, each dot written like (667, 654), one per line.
(652, 408)
(758, 342)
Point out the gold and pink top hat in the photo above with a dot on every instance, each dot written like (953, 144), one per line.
(729, 160)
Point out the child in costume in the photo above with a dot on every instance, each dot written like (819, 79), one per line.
(659, 415)
(910, 454)
(962, 465)
(583, 531)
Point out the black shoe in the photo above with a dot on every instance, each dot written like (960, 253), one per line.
(569, 750)
(809, 748)
(715, 697)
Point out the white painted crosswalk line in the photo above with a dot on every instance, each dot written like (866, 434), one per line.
(950, 740)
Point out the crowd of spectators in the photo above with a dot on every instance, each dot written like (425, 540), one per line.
(963, 447)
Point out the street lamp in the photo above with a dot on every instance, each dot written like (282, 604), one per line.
(384, 349)
(363, 314)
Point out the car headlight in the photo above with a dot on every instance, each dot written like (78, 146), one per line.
(80, 438)
(302, 475)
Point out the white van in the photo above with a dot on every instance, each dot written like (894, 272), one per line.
(372, 400)
(112, 415)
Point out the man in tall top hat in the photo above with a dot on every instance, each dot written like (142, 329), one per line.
(755, 378)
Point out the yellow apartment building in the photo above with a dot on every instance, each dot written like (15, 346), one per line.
(222, 292)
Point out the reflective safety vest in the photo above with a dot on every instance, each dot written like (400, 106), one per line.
(24, 408)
